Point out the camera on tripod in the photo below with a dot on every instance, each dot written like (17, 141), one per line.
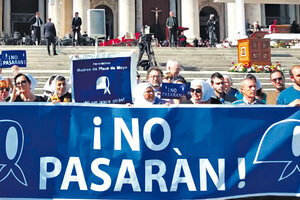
(147, 38)
(145, 46)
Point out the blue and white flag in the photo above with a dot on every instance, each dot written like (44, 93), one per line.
(107, 78)
(11, 58)
(81, 151)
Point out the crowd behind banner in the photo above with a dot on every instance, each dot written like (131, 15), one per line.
(218, 89)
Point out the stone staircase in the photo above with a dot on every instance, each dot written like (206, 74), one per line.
(196, 62)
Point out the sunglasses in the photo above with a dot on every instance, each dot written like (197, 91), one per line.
(4, 89)
(198, 90)
(21, 83)
(277, 79)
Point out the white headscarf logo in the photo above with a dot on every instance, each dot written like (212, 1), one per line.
(103, 83)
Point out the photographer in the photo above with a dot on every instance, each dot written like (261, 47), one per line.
(144, 45)
(212, 23)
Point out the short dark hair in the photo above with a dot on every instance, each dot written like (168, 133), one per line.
(60, 78)
(20, 74)
(216, 75)
(250, 76)
(274, 71)
(154, 69)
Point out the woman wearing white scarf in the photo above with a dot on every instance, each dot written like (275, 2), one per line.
(201, 93)
(143, 94)
(60, 88)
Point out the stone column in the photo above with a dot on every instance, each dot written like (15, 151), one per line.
(240, 20)
(126, 22)
(7, 16)
(66, 17)
(1, 13)
(53, 12)
(298, 13)
(81, 6)
(173, 7)
(292, 13)
(190, 18)
(254, 12)
(263, 15)
(42, 10)
(231, 22)
(282, 13)
(139, 15)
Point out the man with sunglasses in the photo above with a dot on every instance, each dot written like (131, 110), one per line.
(291, 95)
(278, 82)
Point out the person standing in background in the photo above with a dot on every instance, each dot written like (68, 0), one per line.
(36, 24)
(76, 23)
(50, 34)
(212, 25)
(172, 25)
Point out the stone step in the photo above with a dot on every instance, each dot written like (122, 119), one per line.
(197, 62)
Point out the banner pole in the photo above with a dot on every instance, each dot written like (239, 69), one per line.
(96, 46)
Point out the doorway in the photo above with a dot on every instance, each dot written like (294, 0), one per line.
(204, 17)
(109, 18)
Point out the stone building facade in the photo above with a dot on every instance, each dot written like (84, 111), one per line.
(130, 15)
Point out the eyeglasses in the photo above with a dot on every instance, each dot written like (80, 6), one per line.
(155, 76)
(198, 90)
(21, 83)
(4, 89)
(277, 79)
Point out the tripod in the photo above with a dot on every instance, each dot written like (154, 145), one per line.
(145, 46)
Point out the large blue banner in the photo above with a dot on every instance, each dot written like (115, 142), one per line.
(107, 78)
(101, 152)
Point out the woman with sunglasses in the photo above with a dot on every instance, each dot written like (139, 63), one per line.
(22, 90)
(5, 90)
(201, 93)
(60, 89)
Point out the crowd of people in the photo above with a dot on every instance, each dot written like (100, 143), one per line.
(218, 89)
(21, 89)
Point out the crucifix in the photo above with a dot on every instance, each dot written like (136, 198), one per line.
(156, 11)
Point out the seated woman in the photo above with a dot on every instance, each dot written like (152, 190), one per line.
(60, 88)
(143, 94)
(201, 93)
(22, 90)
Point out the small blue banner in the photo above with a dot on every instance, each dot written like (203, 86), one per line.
(174, 90)
(85, 151)
(11, 58)
(106, 79)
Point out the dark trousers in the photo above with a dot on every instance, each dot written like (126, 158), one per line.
(50, 40)
(37, 34)
(172, 37)
(74, 32)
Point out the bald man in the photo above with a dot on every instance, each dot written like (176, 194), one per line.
(291, 95)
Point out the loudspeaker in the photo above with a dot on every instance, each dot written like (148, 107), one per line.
(96, 23)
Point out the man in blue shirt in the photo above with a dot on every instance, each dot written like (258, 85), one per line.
(291, 95)
(248, 89)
